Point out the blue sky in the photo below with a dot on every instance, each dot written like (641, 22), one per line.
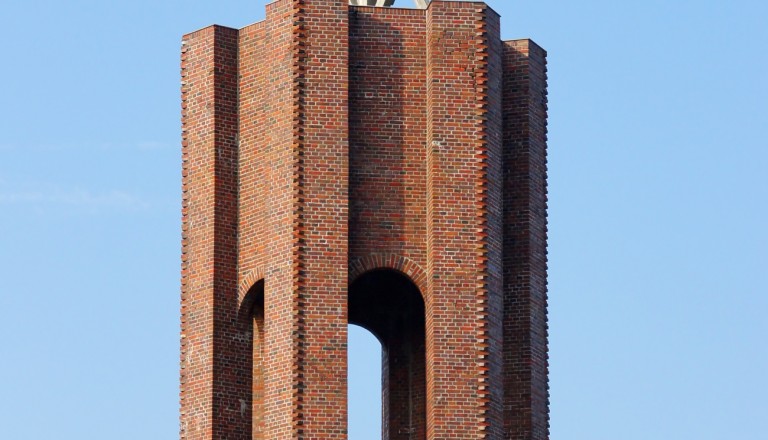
(659, 191)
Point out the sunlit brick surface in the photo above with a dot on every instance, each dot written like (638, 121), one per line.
(329, 141)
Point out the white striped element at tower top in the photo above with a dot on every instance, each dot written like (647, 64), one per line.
(422, 4)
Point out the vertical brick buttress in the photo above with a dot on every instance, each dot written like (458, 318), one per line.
(323, 136)
(464, 225)
(209, 241)
(526, 401)
(330, 137)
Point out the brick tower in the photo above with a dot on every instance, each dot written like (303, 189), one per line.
(370, 165)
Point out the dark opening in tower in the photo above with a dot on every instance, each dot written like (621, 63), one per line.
(254, 305)
(389, 305)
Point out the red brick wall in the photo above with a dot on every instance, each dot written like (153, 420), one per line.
(525, 241)
(256, 169)
(331, 140)
(209, 241)
(387, 180)
(324, 140)
(387, 108)
(464, 131)
(269, 169)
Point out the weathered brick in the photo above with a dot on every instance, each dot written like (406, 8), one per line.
(376, 165)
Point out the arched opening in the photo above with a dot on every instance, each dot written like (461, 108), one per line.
(254, 305)
(389, 305)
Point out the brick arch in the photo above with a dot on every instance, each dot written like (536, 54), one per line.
(394, 308)
(251, 278)
(404, 265)
(250, 348)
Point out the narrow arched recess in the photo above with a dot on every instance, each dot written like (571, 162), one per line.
(253, 308)
(389, 305)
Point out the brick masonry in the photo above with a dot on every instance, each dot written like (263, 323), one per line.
(331, 142)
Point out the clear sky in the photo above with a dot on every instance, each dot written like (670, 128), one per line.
(659, 215)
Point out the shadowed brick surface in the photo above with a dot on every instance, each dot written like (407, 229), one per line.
(395, 155)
